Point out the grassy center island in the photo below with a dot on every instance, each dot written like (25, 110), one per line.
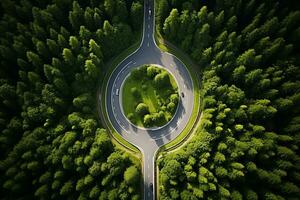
(149, 96)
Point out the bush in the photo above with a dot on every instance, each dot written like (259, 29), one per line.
(144, 87)
(171, 107)
(138, 73)
(174, 98)
(131, 175)
(148, 120)
(152, 71)
(162, 79)
(131, 118)
(142, 109)
(134, 91)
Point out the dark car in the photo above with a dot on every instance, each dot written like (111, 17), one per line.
(182, 94)
(151, 186)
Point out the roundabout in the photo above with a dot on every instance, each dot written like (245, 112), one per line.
(148, 140)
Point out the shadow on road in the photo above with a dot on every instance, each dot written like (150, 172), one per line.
(164, 135)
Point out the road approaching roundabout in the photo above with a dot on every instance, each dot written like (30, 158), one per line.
(149, 139)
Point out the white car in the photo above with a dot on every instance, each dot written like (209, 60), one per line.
(117, 92)
(149, 12)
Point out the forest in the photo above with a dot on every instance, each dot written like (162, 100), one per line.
(53, 56)
(52, 60)
(247, 144)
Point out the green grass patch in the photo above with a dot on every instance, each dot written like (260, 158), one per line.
(149, 96)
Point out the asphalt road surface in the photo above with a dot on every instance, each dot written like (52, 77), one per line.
(149, 140)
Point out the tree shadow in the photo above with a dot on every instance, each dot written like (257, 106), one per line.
(170, 131)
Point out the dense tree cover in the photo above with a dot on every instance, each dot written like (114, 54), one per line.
(150, 96)
(247, 146)
(52, 56)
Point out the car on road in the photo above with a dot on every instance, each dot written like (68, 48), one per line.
(149, 12)
(182, 94)
(151, 186)
(117, 92)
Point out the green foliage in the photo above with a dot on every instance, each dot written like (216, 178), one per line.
(247, 54)
(136, 14)
(171, 24)
(52, 59)
(162, 79)
(142, 109)
(150, 96)
(132, 175)
(134, 91)
(162, 11)
(152, 71)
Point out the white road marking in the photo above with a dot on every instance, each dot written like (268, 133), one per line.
(128, 63)
(148, 44)
(123, 126)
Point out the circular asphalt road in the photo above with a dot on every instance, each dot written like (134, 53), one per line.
(149, 140)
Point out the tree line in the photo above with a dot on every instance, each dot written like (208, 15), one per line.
(247, 144)
(52, 57)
